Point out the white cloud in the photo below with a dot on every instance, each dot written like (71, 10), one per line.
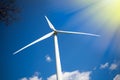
(24, 78)
(103, 66)
(31, 78)
(48, 58)
(75, 75)
(34, 77)
(117, 77)
(113, 66)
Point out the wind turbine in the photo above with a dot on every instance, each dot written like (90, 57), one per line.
(54, 33)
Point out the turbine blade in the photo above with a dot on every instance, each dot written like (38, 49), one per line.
(50, 24)
(82, 33)
(36, 41)
(57, 57)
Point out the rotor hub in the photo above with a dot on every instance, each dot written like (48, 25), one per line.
(55, 32)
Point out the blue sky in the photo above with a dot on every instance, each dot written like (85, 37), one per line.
(82, 57)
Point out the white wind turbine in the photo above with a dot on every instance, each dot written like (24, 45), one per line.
(54, 33)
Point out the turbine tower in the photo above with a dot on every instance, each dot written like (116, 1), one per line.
(54, 33)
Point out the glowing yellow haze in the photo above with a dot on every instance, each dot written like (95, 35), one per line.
(106, 12)
(111, 9)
